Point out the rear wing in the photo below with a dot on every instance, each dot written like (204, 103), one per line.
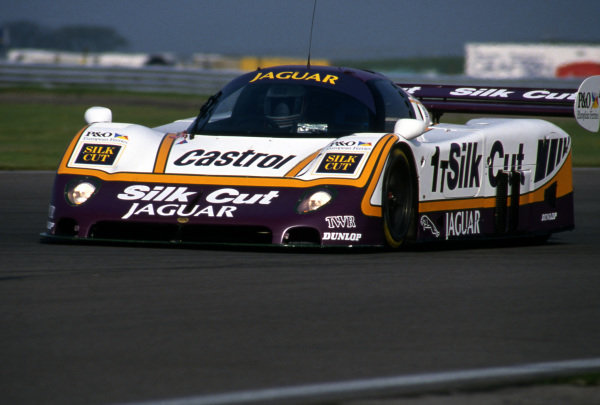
(439, 99)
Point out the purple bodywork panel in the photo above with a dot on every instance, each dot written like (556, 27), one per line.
(122, 210)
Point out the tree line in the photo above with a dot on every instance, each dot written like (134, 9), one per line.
(76, 38)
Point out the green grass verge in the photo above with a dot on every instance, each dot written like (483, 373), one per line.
(36, 126)
(446, 65)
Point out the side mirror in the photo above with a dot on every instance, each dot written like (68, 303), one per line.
(409, 128)
(98, 114)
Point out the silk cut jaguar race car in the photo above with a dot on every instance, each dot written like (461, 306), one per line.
(325, 157)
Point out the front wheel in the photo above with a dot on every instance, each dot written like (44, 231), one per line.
(399, 200)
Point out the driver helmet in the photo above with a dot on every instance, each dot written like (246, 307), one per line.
(283, 104)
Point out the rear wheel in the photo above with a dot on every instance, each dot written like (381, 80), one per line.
(399, 199)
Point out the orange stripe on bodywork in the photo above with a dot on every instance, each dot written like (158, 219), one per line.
(366, 206)
(163, 153)
(564, 180)
(294, 172)
(460, 204)
(65, 160)
(161, 177)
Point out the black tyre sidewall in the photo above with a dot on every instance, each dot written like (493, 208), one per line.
(399, 218)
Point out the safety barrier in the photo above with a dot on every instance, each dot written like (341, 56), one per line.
(147, 79)
(197, 81)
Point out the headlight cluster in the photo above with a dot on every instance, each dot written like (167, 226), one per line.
(314, 200)
(78, 193)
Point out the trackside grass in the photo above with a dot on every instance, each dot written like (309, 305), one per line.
(37, 125)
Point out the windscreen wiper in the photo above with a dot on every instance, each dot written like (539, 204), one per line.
(204, 110)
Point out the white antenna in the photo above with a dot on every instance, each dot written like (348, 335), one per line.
(312, 23)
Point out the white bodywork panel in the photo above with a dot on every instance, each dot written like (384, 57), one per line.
(452, 161)
(460, 161)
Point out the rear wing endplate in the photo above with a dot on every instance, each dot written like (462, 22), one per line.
(587, 104)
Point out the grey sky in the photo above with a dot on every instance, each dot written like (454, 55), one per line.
(353, 29)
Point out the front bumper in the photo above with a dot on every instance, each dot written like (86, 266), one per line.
(210, 214)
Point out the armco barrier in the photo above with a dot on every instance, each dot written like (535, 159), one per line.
(151, 79)
(200, 81)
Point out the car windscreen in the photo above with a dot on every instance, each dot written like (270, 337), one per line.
(286, 109)
(392, 103)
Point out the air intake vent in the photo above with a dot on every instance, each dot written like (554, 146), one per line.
(181, 233)
(302, 236)
(66, 227)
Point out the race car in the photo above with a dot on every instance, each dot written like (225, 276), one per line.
(321, 157)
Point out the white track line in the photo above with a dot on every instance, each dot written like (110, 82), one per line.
(400, 385)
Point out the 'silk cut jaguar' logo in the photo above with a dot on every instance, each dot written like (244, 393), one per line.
(168, 201)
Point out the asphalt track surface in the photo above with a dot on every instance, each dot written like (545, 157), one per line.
(105, 324)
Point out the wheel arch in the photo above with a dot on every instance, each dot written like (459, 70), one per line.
(408, 150)
(396, 239)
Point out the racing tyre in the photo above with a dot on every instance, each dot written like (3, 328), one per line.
(399, 200)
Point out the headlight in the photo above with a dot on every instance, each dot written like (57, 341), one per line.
(80, 193)
(314, 201)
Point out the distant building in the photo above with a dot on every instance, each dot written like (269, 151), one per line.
(515, 61)
(136, 60)
(105, 59)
